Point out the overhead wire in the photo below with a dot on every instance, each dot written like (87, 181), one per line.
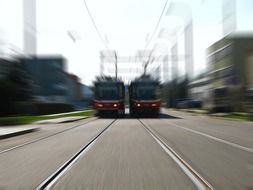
(95, 26)
(157, 25)
(153, 34)
(103, 40)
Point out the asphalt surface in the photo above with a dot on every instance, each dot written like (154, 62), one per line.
(127, 157)
(43, 131)
(28, 166)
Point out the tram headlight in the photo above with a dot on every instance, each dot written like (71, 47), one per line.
(115, 105)
(138, 105)
(100, 105)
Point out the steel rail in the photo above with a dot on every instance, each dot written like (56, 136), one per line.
(194, 176)
(49, 182)
(43, 138)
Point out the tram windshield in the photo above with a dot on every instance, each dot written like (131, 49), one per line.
(108, 91)
(147, 91)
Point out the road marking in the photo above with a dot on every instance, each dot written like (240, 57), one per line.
(247, 149)
(196, 178)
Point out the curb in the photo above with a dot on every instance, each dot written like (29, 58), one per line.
(17, 133)
(73, 120)
(54, 121)
(214, 116)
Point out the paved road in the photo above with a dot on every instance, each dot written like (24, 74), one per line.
(28, 166)
(238, 132)
(43, 131)
(220, 150)
(127, 157)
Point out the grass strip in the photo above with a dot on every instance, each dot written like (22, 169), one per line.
(21, 120)
(238, 117)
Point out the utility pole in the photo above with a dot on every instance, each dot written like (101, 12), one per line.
(116, 65)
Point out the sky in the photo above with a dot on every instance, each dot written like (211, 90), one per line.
(125, 26)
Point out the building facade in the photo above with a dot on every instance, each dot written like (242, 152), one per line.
(49, 78)
(230, 67)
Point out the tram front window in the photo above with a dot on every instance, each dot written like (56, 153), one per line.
(107, 93)
(147, 92)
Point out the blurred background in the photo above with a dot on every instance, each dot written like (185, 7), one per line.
(51, 52)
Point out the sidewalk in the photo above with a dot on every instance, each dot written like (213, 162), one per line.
(239, 116)
(11, 131)
(6, 132)
(199, 111)
(190, 110)
(61, 120)
(66, 113)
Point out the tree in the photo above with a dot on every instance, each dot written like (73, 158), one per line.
(15, 87)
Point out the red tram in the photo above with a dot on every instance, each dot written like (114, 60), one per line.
(144, 96)
(109, 98)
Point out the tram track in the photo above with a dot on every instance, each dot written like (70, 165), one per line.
(44, 137)
(199, 181)
(50, 181)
